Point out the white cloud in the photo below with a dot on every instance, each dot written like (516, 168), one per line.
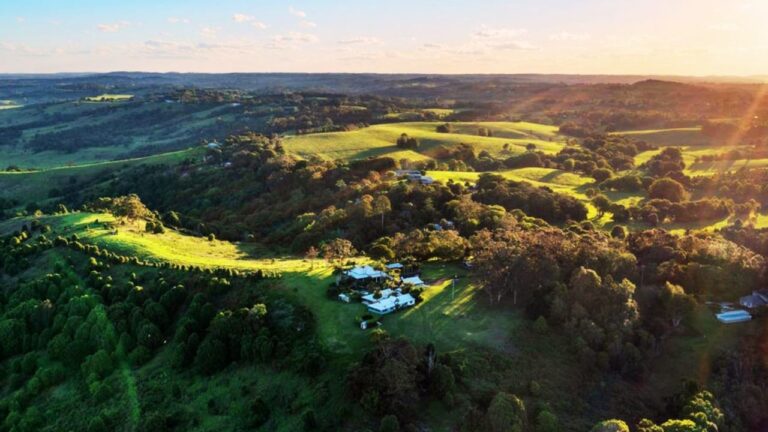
(308, 24)
(569, 37)
(498, 33)
(360, 41)
(248, 19)
(241, 18)
(176, 20)
(209, 32)
(296, 12)
(291, 40)
(21, 20)
(113, 27)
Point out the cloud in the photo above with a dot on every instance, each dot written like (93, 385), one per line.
(209, 32)
(291, 40)
(498, 33)
(569, 37)
(21, 20)
(113, 27)
(308, 24)
(241, 18)
(176, 20)
(248, 19)
(296, 12)
(364, 40)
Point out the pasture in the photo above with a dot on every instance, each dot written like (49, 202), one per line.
(30, 186)
(379, 140)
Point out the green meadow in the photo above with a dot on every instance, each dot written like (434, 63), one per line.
(379, 140)
(35, 185)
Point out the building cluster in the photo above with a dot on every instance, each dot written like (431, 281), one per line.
(382, 301)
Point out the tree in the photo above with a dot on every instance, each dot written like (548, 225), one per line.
(547, 422)
(611, 426)
(337, 249)
(389, 423)
(676, 303)
(531, 147)
(506, 413)
(602, 203)
(667, 188)
(312, 254)
(602, 174)
(381, 206)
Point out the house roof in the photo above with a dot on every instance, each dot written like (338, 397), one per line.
(385, 293)
(365, 272)
(753, 300)
(394, 266)
(413, 280)
(391, 302)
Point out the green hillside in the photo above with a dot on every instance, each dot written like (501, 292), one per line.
(379, 140)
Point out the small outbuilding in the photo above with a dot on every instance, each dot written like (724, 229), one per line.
(413, 280)
(343, 297)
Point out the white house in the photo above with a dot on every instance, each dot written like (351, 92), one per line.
(391, 304)
(369, 298)
(343, 297)
(755, 300)
(365, 272)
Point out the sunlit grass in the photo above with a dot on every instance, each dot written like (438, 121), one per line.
(379, 140)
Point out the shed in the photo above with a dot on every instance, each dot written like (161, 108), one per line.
(343, 297)
(413, 280)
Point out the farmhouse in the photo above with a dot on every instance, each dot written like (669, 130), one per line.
(755, 300)
(391, 304)
(370, 299)
(365, 272)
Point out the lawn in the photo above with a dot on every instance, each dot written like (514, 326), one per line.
(35, 185)
(379, 140)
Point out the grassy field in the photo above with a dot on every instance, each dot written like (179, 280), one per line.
(34, 185)
(379, 140)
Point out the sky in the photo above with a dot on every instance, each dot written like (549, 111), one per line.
(666, 37)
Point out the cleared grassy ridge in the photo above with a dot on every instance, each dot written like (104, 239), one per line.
(35, 185)
(379, 140)
(693, 144)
